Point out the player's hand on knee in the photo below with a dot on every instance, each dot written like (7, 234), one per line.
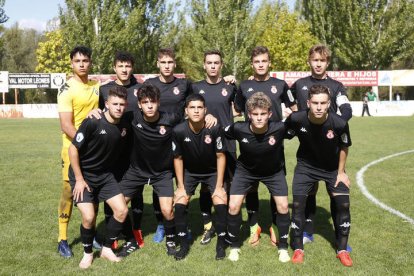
(343, 177)
(80, 186)
(220, 193)
(210, 121)
(95, 113)
(180, 196)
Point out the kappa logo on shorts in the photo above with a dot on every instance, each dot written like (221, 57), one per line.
(79, 137)
(273, 89)
(207, 139)
(303, 129)
(201, 92)
(272, 140)
(219, 144)
(162, 130)
(344, 138)
(224, 92)
(330, 134)
(176, 91)
(124, 132)
(244, 140)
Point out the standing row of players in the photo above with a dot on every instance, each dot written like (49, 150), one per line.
(79, 96)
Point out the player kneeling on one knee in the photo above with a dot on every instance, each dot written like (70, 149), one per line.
(261, 159)
(93, 153)
(199, 157)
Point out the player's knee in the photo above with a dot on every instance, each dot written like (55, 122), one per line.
(88, 221)
(283, 208)
(234, 208)
(167, 212)
(121, 213)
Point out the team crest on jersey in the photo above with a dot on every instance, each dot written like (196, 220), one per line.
(136, 92)
(330, 134)
(272, 140)
(123, 133)
(162, 130)
(224, 92)
(202, 92)
(273, 89)
(207, 139)
(305, 88)
(176, 91)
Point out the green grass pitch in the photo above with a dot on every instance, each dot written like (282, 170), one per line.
(382, 243)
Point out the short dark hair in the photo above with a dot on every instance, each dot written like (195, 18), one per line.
(213, 52)
(118, 91)
(166, 52)
(194, 97)
(148, 91)
(124, 57)
(321, 49)
(259, 50)
(82, 50)
(318, 89)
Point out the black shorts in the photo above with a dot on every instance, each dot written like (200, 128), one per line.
(103, 187)
(191, 182)
(243, 180)
(231, 161)
(306, 176)
(132, 182)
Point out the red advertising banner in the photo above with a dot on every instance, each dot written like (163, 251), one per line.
(348, 78)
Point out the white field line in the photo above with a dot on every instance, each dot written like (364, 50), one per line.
(364, 190)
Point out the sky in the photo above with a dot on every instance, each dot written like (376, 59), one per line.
(36, 13)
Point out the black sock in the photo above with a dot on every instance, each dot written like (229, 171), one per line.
(87, 238)
(273, 209)
(343, 220)
(113, 229)
(233, 227)
(205, 206)
(282, 223)
(310, 211)
(181, 221)
(298, 220)
(169, 226)
(137, 207)
(127, 229)
(221, 215)
(157, 207)
(334, 215)
(108, 212)
(252, 206)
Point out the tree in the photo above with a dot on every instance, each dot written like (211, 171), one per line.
(363, 34)
(53, 54)
(287, 37)
(108, 26)
(3, 16)
(223, 25)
